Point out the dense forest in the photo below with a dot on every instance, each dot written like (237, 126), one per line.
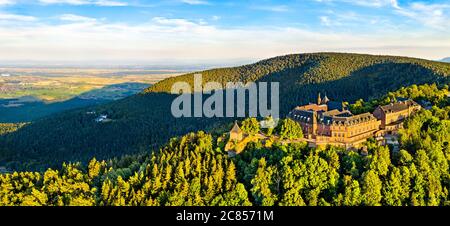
(195, 170)
(144, 121)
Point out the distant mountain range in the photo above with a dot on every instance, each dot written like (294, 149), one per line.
(447, 59)
(144, 121)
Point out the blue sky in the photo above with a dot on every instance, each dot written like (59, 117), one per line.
(199, 31)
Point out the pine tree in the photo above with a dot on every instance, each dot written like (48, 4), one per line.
(371, 189)
(230, 177)
(261, 185)
(352, 195)
(394, 192)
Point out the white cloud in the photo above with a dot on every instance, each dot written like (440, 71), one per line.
(367, 3)
(70, 2)
(432, 15)
(325, 21)
(76, 18)
(334, 19)
(167, 25)
(110, 3)
(174, 40)
(195, 2)
(272, 8)
(375, 3)
(15, 17)
(353, 20)
(7, 2)
(85, 2)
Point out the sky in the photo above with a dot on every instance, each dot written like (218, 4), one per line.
(213, 31)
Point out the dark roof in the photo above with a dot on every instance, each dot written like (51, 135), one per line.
(338, 113)
(330, 117)
(313, 107)
(398, 106)
(399, 99)
(347, 118)
(302, 115)
(332, 105)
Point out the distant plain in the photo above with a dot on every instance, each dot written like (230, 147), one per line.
(30, 93)
(62, 83)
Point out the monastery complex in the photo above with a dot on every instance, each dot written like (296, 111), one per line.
(327, 123)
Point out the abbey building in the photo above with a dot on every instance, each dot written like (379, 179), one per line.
(328, 123)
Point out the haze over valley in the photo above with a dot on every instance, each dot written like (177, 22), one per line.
(29, 93)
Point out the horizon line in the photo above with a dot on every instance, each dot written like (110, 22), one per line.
(173, 62)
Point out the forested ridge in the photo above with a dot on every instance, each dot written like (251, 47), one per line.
(195, 170)
(300, 69)
(144, 121)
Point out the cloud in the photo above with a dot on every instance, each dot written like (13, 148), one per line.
(85, 2)
(195, 2)
(177, 39)
(7, 2)
(324, 20)
(435, 16)
(16, 17)
(431, 15)
(374, 3)
(70, 2)
(110, 3)
(366, 3)
(178, 24)
(76, 18)
(272, 8)
(356, 21)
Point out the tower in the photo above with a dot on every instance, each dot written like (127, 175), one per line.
(319, 100)
(236, 133)
(325, 99)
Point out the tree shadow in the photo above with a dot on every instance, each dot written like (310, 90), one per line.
(35, 108)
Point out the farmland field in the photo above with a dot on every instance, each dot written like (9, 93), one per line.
(27, 94)
(60, 84)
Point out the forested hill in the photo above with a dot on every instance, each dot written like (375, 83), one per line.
(298, 70)
(145, 121)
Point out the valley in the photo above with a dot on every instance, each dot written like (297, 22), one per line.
(27, 94)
